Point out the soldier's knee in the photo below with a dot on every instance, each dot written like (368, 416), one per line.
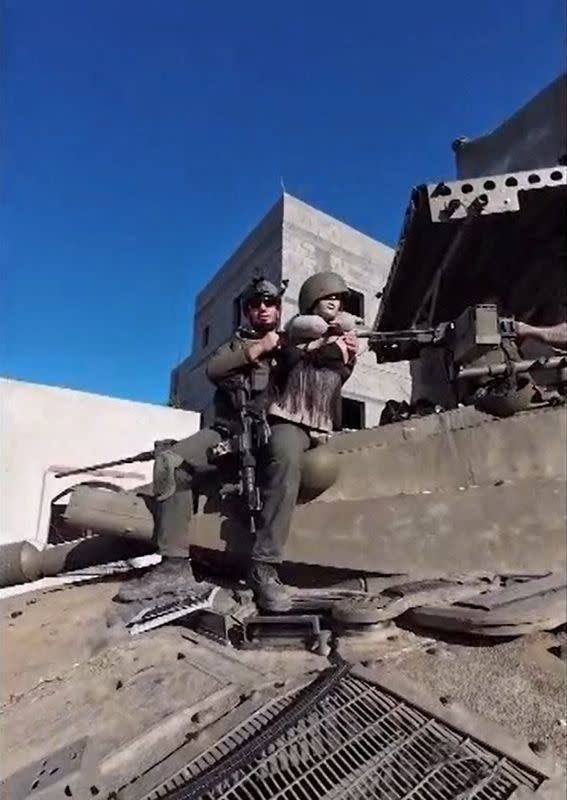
(183, 479)
(166, 474)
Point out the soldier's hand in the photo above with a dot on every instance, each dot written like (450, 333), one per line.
(521, 329)
(270, 341)
(266, 344)
(351, 341)
(334, 329)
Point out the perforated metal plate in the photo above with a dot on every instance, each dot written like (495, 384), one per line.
(500, 191)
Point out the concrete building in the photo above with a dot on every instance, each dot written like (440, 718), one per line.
(292, 242)
(534, 137)
(46, 429)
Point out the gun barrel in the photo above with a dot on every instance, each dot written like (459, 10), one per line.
(410, 335)
(514, 367)
(147, 455)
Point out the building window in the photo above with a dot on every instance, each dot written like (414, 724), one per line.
(237, 312)
(354, 303)
(354, 416)
(205, 336)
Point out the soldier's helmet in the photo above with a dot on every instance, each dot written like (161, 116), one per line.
(509, 401)
(261, 288)
(320, 285)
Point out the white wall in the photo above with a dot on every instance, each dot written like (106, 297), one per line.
(46, 428)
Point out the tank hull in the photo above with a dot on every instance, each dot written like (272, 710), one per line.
(450, 492)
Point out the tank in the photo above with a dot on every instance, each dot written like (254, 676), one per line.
(88, 552)
(435, 547)
(459, 493)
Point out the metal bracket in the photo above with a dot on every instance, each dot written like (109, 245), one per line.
(315, 600)
(450, 201)
(214, 625)
(286, 630)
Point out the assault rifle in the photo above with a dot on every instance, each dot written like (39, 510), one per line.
(254, 432)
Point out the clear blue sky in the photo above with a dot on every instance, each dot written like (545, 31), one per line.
(142, 139)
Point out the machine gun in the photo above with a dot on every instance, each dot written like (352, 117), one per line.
(476, 330)
(402, 345)
(139, 458)
(479, 350)
(253, 433)
(387, 345)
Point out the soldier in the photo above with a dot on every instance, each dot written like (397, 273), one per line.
(276, 372)
(250, 354)
(319, 357)
(306, 410)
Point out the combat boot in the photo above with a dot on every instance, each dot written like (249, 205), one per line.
(171, 577)
(269, 592)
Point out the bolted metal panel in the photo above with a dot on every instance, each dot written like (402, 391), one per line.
(356, 741)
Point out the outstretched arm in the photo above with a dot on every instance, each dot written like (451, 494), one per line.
(305, 328)
(554, 335)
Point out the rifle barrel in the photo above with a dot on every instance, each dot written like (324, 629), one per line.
(393, 336)
(514, 367)
(147, 455)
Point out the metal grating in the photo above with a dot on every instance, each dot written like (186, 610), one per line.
(356, 741)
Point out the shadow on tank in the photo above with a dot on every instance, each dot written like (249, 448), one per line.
(320, 471)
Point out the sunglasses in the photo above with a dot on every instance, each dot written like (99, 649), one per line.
(268, 302)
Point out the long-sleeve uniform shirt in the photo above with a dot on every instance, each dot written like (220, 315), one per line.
(293, 383)
(230, 367)
(308, 386)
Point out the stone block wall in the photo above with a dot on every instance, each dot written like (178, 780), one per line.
(313, 242)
